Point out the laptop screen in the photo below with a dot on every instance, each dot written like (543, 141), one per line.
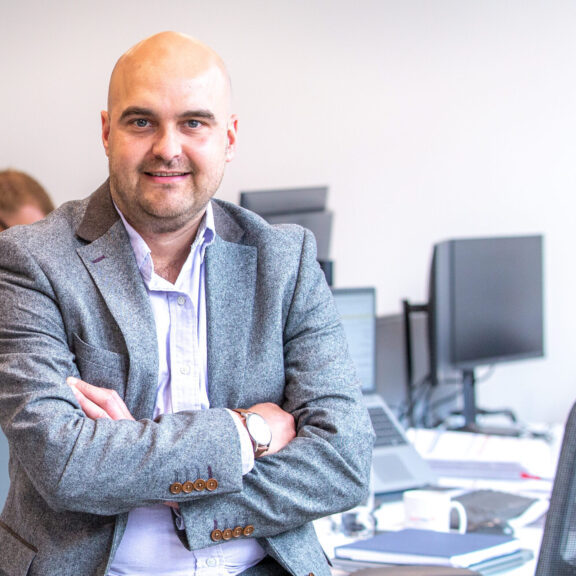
(357, 308)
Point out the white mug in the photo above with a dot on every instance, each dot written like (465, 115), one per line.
(431, 510)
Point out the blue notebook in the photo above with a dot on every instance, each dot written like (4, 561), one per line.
(413, 546)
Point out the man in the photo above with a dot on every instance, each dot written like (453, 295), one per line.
(135, 322)
(22, 199)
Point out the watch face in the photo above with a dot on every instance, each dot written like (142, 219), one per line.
(258, 429)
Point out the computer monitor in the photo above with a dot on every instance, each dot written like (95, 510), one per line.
(357, 308)
(391, 363)
(285, 200)
(304, 206)
(485, 307)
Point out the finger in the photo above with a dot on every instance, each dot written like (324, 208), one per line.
(106, 400)
(94, 393)
(93, 411)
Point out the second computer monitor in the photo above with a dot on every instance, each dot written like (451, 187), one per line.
(303, 206)
(357, 308)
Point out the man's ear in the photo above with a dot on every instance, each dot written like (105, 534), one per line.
(105, 117)
(232, 134)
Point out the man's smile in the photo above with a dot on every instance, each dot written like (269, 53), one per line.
(166, 177)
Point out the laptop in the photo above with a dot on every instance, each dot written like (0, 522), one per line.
(396, 465)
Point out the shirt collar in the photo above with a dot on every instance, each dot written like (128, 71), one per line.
(204, 237)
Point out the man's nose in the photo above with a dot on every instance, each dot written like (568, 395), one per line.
(167, 144)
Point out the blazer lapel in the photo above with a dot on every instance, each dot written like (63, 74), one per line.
(110, 260)
(230, 293)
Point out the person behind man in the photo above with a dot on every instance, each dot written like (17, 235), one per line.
(136, 322)
(23, 200)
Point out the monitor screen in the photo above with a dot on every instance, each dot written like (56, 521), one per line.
(357, 308)
(486, 302)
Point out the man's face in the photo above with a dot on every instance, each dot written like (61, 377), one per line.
(168, 136)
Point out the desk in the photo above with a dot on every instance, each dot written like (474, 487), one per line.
(530, 538)
(539, 457)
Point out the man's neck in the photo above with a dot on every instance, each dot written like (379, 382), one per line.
(169, 251)
(169, 246)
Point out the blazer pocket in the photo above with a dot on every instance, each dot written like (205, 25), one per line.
(101, 367)
(16, 554)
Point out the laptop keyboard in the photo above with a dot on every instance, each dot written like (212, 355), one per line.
(387, 433)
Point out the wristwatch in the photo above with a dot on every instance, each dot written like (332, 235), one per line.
(258, 430)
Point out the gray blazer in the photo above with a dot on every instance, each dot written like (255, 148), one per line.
(72, 302)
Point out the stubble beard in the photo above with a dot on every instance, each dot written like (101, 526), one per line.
(161, 217)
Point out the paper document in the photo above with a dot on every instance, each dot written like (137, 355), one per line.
(534, 458)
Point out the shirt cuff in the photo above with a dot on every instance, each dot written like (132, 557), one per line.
(245, 443)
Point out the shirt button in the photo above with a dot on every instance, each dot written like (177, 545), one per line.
(185, 370)
(181, 300)
(211, 562)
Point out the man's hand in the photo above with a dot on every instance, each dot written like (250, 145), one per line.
(281, 424)
(99, 402)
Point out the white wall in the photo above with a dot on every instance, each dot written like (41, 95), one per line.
(428, 119)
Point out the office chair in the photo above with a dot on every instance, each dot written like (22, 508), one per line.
(558, 550)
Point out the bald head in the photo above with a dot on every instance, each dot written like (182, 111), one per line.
(167, 55)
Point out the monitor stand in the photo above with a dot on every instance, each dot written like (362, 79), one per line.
(471, 411)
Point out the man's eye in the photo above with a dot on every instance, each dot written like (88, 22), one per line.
(141, 123)
(194, 124)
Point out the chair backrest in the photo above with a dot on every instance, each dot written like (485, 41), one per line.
(4, 480)
(558, 549)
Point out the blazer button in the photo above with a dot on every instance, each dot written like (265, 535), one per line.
(187, 487)
(248, 530)
(237, 532)
(216, 535)
(199, 485)
(211, 484)
(227, 534)
(176, 488)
